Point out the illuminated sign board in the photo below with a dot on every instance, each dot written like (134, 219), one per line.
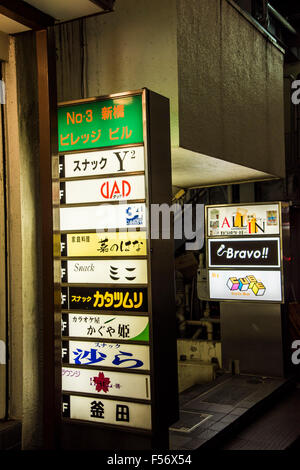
(106, 382)
(95, 298)
(95, 124)
(103, 162)
(115, 305)
(245, 264)
(254, 220)
(116, 355)
(240, 252)
(105, 216)
(108, 244)
(248, 284)
(104, 271)
(100, 410)
(102, 190)
(118, 327)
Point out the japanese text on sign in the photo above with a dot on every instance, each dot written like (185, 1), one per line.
(100, 124)
(105, 326)
(103, 162)
(94, 298)
(104, 244)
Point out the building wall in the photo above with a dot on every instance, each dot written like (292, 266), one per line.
(204, 56)
(223, 76)
(25, 316)
(131, 48)
(230, 87)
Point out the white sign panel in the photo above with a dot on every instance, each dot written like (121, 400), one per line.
(245, 285)
(105, 271)
(127, 356)
(121, 160)
(125, 327)
(99, 410)
(103, 217)
(256, 219)
(125, 188)
(106, 383)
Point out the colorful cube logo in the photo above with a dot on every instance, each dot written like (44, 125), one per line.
(246, 283)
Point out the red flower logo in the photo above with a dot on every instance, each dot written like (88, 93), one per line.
(101, 382)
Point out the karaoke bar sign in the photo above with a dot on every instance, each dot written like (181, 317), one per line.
(224, 252)
(116, 327)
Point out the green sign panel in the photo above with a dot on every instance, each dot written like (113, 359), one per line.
(105, 123)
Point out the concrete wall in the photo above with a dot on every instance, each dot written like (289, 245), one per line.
(25, 329)
(131, 48)
(3, 319)
(225, 76)
(32, 316)
(4, 46)
(230, 87)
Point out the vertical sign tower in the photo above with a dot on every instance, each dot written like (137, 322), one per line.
(116, 373)
(248, 274)
(244, 252)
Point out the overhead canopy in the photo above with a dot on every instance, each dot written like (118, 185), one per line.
(196, 170)
(18, 16)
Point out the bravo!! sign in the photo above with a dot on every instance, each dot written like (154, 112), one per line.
(106, 382)
(103, 162)
(110, 244)
(258, 219)
(102, 190)
(240, 252)
(249, 285)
